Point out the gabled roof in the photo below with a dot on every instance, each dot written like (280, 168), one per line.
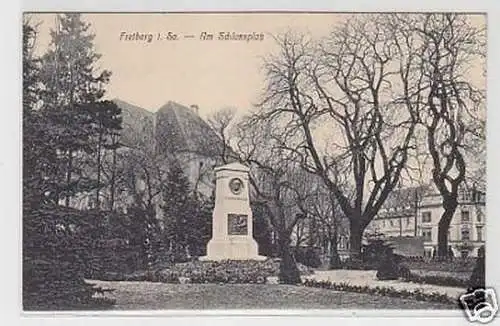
(138, 124)
(401, 202)
(173, 129)
(179, 130)
(404, 198)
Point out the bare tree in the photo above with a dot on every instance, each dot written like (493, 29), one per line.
(327, 221)
(353, 85)
(221, 122)
(452, 105)
(278, 184)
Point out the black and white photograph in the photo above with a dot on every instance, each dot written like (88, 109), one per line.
(252, 161)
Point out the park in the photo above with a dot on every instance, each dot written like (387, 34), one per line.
(340, 168)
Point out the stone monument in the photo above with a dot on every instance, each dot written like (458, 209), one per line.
(232, 236)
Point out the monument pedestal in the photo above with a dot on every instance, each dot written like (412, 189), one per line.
(232, 250)
(232, 236)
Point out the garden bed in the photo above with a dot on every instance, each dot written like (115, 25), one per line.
(230, 271)
(416, 294)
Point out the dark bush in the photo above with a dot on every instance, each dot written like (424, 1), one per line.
(308, 256)
(374, 254)
(436, 280)
(56, 241)
(478, 277)
(404, 272)
(229, 271)
(388, 268)
(167, 276)
(358, 264)
(440, 264)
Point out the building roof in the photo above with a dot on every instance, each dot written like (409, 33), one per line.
(402, 202)
(173, 129)
(407, 246)
(138, 125)
(180, 129)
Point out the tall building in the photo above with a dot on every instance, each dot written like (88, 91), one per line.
(151, 143)
(415, 212)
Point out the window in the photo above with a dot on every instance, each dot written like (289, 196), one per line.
(342, 243)
(479, 231)
(383, 223)
(427, 234)
(407, 221)
(479, 216)
(466, 196)
(426, 217)
(391, 222)
(465, 216)
(465, 234)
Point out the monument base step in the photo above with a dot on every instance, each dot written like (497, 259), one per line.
(245, 249)
(208, 258)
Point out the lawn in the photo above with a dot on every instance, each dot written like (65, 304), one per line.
(152, 296)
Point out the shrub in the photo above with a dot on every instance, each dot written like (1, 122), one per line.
(440, 264)
(404, 272)
(357, 264)
(167, 276)
(436, 280)
(224, 272)
(307, 256)
(229, 271)
(377, 252)
(478, 277)
(55, 247)
(388, 269)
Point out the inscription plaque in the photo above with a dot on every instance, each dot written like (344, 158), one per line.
(237, 224)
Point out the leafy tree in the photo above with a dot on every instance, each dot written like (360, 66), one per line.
(107, 123)
(186, 219)
(71, 84)
(37, 152)
(55, 240)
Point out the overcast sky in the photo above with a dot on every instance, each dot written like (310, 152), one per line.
(211, 74)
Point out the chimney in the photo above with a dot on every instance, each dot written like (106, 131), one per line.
(195, 108)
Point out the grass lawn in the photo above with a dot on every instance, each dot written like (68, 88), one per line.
(151, 296)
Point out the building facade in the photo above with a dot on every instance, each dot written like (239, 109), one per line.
(418, 215)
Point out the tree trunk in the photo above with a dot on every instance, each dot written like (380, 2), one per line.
(98, 204)
(334, 261)
(113, 180)
(289, 272)
(68, 176)
(450, 207)
(355, 236)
